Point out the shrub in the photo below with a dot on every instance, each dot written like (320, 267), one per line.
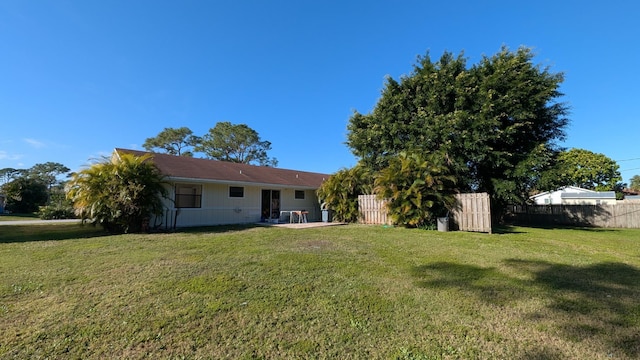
(120, 193)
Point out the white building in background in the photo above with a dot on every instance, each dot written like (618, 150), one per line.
(572, 195)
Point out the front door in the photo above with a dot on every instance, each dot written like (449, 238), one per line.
(270, 204)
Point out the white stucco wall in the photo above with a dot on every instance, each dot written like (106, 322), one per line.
(555, 197)
(589, 201)
(218, 208)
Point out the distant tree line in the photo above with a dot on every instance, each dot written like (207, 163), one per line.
(38, 188)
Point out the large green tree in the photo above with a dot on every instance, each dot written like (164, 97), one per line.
(8, 174)
(25, 194)
(119, 193)
(586, 169)
(635, 183)
(497, 121)
(172, 141)
(48, 172)
(235, 143)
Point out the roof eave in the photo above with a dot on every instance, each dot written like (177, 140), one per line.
(237, 183)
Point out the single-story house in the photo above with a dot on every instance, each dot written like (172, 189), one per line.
(634, 198)
(572, 195)
(204, 192)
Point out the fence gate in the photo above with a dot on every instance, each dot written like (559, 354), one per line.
(473, 212)
(372, 210)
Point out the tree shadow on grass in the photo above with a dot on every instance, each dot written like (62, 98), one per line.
(215, 228)
(599, 303)
(33, 232)
(506, 229)
(515, 229)
(487, 283)
(27, 233)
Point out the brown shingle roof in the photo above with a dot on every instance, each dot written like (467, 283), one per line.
(222, 171)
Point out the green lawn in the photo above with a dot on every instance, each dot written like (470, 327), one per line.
(13, 217)
(343, 292)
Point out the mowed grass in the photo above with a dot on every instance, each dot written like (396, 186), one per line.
(21, 217)
(347, 292)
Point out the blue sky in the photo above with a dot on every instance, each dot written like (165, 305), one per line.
(79, 78)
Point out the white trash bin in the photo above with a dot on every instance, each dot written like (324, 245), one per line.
(443, 224)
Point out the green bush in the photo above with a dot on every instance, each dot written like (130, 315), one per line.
(56, 211)
(58, 207)
(119, 193)
(340, 192)
(418, 188)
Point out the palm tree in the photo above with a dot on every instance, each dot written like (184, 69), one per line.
(419, 188)
(340, 192)
(120, 193)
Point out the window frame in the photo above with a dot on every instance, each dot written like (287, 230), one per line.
(239, 190)
(296, 192)
(196, 196)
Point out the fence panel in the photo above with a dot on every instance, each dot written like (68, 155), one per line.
(473, 212)
(372, 210)
(620, 215)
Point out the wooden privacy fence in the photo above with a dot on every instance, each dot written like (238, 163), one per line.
(373, 210)
(472, 213)
(620, 215)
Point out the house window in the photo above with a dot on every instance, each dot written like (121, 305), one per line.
(188, 196)
(547, 201)
(236, 191)
(299, 194)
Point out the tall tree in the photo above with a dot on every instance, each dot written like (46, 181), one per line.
(8, 174)
(497, 122)
(172, 141)
(118, 193)
(635, 183)
(25, 194)
(235, 143)
(586, 169)
(48, 172)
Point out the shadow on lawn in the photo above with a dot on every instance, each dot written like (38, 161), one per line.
(214, 229)
(513, 229)
(599, 303)
(26, 233)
